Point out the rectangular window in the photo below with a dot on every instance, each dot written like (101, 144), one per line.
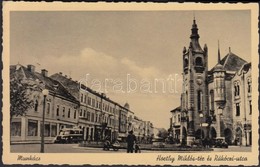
(237, 109)
(75, 114)
(250, 107)
(85, 99)
(48, 108)
(88, 116)
(36, 105)
(69, 113)
(89, 101)
(81, 98)
(16, 128)
(32, 128)
(84, 114)
(81, 113)
(63, 112)
(47, 129)
(93, 102)
(58, 110)
(92, 117)
(53, 130)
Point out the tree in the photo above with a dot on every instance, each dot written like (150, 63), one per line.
(162, 133)
(22, 95)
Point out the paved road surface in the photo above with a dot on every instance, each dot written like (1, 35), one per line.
(73, 148)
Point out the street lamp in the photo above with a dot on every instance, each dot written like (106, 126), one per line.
(201, 116)
(45, 92)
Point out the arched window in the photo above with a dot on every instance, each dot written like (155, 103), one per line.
(199, 102)
(235, 87)
(186, 100)
(186, 62)
(212, 100)
(238, 90)
(198, 61)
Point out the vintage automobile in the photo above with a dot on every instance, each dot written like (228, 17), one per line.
(69, 135)
(220, 142)
(107, 145)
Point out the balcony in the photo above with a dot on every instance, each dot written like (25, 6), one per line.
(199, 69)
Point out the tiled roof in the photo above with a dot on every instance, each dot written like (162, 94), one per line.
(52, 85)
(176, 109)
(73, 87)
(69, 84)
(230, 62)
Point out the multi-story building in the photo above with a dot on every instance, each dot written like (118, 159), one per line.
(176, 123)
(69, 104)
(212, 101)
(98, 115)
(61, 106)
(242, 105)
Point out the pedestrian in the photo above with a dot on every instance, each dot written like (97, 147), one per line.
(137, 148)
(131, 139)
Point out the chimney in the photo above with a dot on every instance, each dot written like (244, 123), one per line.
(44, 72)
(31, 68)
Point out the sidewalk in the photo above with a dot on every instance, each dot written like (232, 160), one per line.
(31, 142)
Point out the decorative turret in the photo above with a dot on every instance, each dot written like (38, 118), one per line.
(219, 79)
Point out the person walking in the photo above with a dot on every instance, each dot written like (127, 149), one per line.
(131, 139)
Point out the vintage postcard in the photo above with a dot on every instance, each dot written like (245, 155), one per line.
(130, 83)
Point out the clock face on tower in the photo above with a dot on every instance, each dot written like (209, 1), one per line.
(199, 80)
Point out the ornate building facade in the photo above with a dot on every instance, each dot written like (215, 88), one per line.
(69, 104)
(216, 102)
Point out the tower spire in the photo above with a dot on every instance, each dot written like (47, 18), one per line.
(218, 53)
(194, 30)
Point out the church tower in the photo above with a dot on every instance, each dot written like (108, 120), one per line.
(195, 88)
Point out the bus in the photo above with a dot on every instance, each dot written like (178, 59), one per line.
(69, 135)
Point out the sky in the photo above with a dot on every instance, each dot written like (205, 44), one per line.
(132, 56)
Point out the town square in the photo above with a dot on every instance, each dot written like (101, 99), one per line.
(176, 83)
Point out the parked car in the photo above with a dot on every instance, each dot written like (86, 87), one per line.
(69, 135)
(220, 142)
(115, 146)
(158, 142)
(196, 143)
